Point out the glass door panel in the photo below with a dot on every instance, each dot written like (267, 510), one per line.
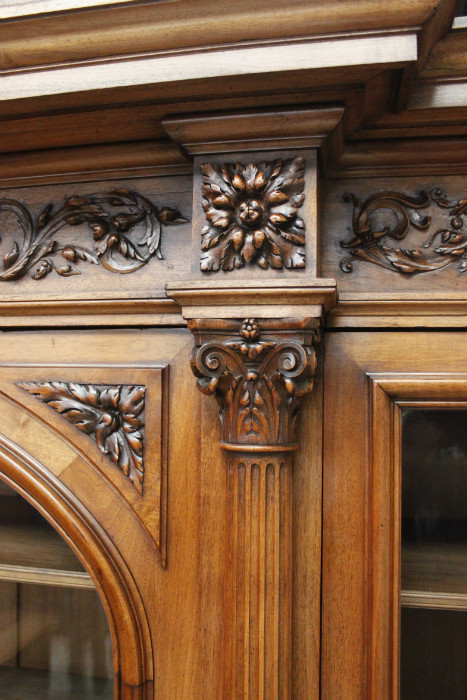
(434, 555)
(54, 637)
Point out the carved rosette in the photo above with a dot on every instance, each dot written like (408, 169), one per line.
(258, 383)
(252, 215)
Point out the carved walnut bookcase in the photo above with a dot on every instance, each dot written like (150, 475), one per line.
(233, 363)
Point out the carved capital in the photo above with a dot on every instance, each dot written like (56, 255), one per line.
(258, 375)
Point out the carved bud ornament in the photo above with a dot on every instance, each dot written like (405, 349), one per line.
(252, 215)
(258, 383)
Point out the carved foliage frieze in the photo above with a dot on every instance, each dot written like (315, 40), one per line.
(389, 216)
(252, 215)
(125, 228)
(109, 415)
(258, 383)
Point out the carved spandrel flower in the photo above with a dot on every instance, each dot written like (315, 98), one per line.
(110, 415)
(252, 215)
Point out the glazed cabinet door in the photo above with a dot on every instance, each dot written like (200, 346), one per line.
(395, 516)
(97, 435)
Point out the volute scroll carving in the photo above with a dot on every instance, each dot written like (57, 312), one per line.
(126, 231)
(259, 384)
(401, 213)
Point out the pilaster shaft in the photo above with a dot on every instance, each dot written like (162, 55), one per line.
(260, 578)
(259, 373)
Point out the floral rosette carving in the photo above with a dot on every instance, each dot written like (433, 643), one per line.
(369, 243)
(252, 215)
(110, 415)
(125, 227)
(258, 384)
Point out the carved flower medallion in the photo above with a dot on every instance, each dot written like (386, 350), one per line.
(252, 215)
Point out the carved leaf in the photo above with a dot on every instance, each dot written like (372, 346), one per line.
(11, 257)
(113, 232)
(369, 243)
(108, 414)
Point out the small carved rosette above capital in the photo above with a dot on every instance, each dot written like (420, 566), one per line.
(252, 215)
(259, 383)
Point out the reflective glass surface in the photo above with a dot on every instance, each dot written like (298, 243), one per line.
(434, 555)
(54, 637)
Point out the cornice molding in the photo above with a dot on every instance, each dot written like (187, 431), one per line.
(26, 8)
(293, 297)
(386, 310)
(402, 156)
(99, 162)
(220, 61)
(254, 130)
(145, 26)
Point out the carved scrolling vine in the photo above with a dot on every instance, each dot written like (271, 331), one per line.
(116, 219)
(110, 415)
(252, 215)
(446, 246)
(259, 384)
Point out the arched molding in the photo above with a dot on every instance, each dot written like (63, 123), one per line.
(132, 647)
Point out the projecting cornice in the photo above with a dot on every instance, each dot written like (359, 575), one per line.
(138, 27)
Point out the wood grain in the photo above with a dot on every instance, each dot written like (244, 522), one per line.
(378, 374)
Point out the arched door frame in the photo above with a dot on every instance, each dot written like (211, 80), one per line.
(133, 661)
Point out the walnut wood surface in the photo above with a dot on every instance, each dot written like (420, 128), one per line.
(62, 229)
(259, 376)
(378, 374)
(260, 598)
(241, 609)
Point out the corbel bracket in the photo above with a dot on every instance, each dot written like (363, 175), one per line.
(255, 352)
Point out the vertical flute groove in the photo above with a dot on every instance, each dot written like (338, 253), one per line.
(261, 586)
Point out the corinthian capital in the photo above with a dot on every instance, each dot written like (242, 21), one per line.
(259, 376)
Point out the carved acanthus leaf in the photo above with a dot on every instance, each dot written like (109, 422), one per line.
(259, 384)
(110, 415)
(252, 215)
(116, 220)
(446, 246)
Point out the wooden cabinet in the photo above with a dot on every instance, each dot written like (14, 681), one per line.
(233, 245)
